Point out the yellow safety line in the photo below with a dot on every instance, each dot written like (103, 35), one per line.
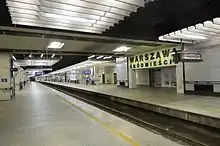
(126, 138)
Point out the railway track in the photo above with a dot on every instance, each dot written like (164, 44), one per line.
(181, 131)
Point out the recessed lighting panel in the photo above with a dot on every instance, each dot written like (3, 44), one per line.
(55, 45)
(122, 49)
(92, 13)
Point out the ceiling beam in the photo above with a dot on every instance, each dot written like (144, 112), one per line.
(19, 31)
(20, 51)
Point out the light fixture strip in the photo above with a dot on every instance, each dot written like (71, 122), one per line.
(139, 3)
(194, 30)
(83, 4)
(99, 57)
(14, 57)
(115, 4)
(57, 27)
(186, 34)
(107, 21)
(23, 11)
(85, 11)
(22, 5)
(45, 22)
(103, 6)
(161, 38)
(198, 33)
(91, 56)
(107, 57)
(122, 49)
(72, 8)
(120, 11)
(69, 13)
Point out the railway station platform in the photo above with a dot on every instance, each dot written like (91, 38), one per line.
(42, 116)
(200, 109)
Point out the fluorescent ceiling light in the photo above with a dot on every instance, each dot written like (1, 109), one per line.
(94, 14)
(193, 36)
(134, 2)
(53, 56)
(41, 61)
(82, 20)
(89, 64)
(36, 62)
(97, 62)
(13, 57)
(41, 55)
(122, 49)
(59, 27)
(69, 13)
(107, 57)
(55, 45)
(99, 57)
(116, 4)
(80, 67)
(91, 56)
(22, 5)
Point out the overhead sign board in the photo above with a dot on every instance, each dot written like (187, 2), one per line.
(14, 69)
(192, 56)
(87, 72)
(152, 59)
(38, 73)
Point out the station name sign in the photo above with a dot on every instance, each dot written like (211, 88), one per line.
(152, 59)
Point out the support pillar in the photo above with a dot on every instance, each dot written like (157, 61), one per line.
(132, 78)
(180, 74)
(5, 76)
(179, 78)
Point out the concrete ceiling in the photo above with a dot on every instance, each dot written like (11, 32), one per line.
(156, 18)
(33, 44)
(91, 45)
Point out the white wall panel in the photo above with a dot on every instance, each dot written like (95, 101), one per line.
(209, 69)
(142, 77)
(217, 88)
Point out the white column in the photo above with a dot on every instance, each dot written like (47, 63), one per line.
(5, 78)
(179, 78)
(132, 79)
(109, 73)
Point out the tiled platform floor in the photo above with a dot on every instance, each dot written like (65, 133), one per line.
(204, 105)
(39, 117)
